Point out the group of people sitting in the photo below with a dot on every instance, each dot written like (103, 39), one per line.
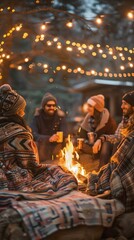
(26, 149)
(108, 134)
(49, 119)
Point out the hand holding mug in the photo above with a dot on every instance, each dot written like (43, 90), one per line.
(97, 146)
(91, 137)
(60, 137)
(54, 138)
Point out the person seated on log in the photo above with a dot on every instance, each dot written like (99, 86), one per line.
(47, 121)
(127, 107)
(98, 121)
(19, 161)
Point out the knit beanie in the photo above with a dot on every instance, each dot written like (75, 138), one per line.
(10, 101)
(129, 98)
(97, 102)
(48, 97)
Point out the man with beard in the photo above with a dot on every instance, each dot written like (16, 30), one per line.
(127, 109)
(47, 121)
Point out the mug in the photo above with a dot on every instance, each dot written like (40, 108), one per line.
(91, 137)
(80, 142)
(60, 136)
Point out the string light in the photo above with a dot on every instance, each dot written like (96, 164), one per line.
(19, 67)
(45, 65)
(79, 70)
(131, 65)
(98, 21)
(43, 26)
(122, 67)
(130, 14)
(114, 53)
(69, 24)
(106, 69)
(26, 59)
(69, 49)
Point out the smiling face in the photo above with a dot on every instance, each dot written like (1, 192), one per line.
(127, 109)
(50, 107)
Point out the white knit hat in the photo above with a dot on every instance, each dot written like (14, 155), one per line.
(97, 101)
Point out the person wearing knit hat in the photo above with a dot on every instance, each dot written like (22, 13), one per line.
(97, 121)
(129, 98)
(47, 121)
(46, 98)
(17, 147)
(128, 104)
(127, 107)
(97, 102)
(12, 108)
(11, 102)
(20, 170)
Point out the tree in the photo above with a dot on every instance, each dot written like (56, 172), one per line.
(52, 46)
(23, 33)
(116, 24)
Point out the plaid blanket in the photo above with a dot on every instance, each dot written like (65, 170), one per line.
(44, 217)
(118, 175)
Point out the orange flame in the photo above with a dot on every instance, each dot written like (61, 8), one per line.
(68, 158)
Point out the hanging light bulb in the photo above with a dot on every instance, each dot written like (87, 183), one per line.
(69, 24)
(130, 14)
(43, 26)
(98, 20)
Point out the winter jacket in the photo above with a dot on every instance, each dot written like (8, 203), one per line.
(107, 125)
(43, 127)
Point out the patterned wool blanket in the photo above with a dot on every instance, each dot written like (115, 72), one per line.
(41, 218)
(50, 179)
(118, 175)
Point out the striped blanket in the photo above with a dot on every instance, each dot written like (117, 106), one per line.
(41, 218)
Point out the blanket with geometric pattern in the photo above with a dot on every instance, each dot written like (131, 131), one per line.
(41, 218)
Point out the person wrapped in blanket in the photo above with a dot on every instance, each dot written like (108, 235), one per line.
(127, 107)
(118, 175)
(19, 162)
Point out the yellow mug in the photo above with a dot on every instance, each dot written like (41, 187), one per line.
(60, 136)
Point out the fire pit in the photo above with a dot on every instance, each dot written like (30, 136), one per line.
(69, 159)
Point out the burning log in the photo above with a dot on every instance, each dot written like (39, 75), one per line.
(82, 178)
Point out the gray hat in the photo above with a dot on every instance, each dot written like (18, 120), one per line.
(48, 97)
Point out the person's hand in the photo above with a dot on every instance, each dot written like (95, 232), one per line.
(97, 146)
(54, 138)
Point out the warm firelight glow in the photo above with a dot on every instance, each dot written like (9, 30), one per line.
(69, 160)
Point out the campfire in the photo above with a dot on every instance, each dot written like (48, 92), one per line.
(69, 159)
